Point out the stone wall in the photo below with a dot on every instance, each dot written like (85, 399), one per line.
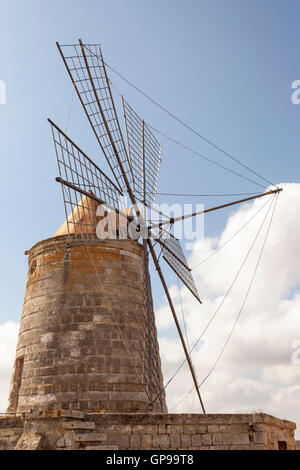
(62, 429)
(11, 429)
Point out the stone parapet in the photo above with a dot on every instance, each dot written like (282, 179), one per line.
(70, 430)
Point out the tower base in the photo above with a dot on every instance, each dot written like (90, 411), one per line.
(71, 430)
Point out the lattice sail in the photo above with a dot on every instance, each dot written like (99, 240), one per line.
(174, 256)
(144, 153)
(87, 70)
(87, 187)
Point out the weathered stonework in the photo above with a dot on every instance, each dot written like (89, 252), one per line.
(83, 340)
(74, 430)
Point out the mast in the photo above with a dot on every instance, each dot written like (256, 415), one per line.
(223, 206)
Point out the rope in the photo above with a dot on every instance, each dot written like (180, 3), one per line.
(205, 195)
(231, 238)
(69, 111)
(223, 300)
(182, 314)
(245, 299)
(180, 401)
(207, 158)
(240, 312)
(196, 153)
(183, 123)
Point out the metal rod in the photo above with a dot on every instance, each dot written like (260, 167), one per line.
(147, 281)
(114, 107)
(92, 196)
(149, 320)
(144, 169)
(127, 140)
(189, 361)
(176, 219)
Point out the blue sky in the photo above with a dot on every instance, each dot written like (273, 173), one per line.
(224, 67)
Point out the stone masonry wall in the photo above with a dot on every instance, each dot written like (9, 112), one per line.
(63, 429)
(11, 429)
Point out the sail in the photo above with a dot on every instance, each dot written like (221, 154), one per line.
(87, 71)
(145, 155)
(175, 258)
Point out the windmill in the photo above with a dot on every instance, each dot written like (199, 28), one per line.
(135, 168)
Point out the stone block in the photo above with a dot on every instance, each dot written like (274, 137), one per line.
(186, 441)
(239, 447)
(174, 429)
(258, 437)
(101, 448)
(212, 428)
(91, 437)
(61, 442)
(196, 440)
(123, 429)
(206, 439)
(240, 438)
(29, 441)
(239, 428)
(161, 441)
(145, 429)
(189, 429)
(146, 441)
(7, 432)
(217, 439)
(135, 441)
(201, 428)
(121, 441)
(227, 438)
(175, 441)
(162, 429)
(224, 428)
(78, 425)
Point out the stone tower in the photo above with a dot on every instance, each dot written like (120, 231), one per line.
(83, 339)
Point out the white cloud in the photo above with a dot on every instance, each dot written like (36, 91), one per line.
(256, 371)
(8, 341)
